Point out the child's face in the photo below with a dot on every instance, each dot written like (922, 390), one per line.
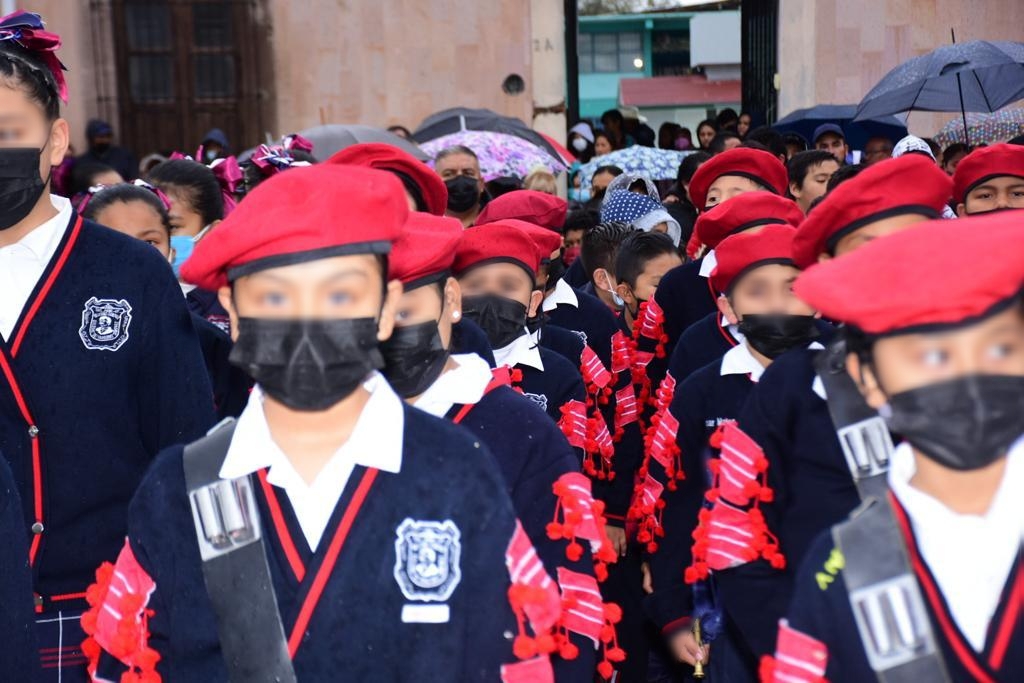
(764, 290)
(815, 183)
(648, 280)
(185, 220)
(500, 279)
(23, 123)
(1001, 192)
(872, 231)
(137, 219)
(325, 289)
(994, 346)
(429, 303)
(572, 238)
(726, 187)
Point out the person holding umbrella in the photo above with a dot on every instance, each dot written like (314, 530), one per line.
(459, 168)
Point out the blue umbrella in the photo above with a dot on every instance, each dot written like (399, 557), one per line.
(656, 164)
(804, 121)
(978, 76)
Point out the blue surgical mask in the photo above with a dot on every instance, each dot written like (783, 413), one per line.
(182, 245)
(581, 195)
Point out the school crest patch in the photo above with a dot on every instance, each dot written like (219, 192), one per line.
(581, 334)
(105, 324)
(540, 399)
(427, 559)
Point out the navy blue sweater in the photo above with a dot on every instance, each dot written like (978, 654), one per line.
(532, 454)
(821, 609)
(467, 337)
(703, 342)
(685, 297)
(356, 627)
(102, 371)
(591, 320)
(18, 655)
(231, 385)
(812, 484)
(705, 400)
(556, 385)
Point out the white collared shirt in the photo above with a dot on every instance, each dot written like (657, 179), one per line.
(463, 385)
(969, 555)
(562, 294)
(376, 441)
(23, 263)
(708, 263)
(525, 350)
(740, 361)
(734, 330)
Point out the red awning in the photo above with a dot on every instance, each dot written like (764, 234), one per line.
(678, 91)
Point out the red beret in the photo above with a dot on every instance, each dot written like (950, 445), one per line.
(546, 241)
(910, 184)
(390, 158)
(303, 215)
(501, 242)
(919, 277)
(749, 210)
(425, 250)
(760, 166)
(531, 206)
(984, 164)
(738, 254)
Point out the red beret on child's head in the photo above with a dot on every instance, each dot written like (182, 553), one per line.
(910, 184)
(390, 158)
(303, 215)
(425, 250)
(919, 279)
(746, 211)
(739, 254)
(531, 206)
(546, 241)
(762, 167)
(984, 164)
(499, 242)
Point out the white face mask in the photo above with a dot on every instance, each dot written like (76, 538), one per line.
(617, 300)
(579, 144)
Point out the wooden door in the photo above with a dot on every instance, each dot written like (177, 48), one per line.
(186, 66)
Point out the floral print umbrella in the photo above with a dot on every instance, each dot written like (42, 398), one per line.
(500, 154)
(984, 128)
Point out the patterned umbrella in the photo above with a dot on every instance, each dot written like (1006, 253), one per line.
(656, 164)
(984, 128)
(500, 154)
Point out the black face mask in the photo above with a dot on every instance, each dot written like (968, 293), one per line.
(964, 423)
(503, 320)
(20, 184)
(414, 358)
(773, 334)
(463, 193)
(556, 270)
(307, 364)
(101, 147)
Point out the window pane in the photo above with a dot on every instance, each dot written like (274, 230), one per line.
(629, 42)
(148, 26)
(150, 78)
(606, 53)
(211, 24)
(585, 52)
(215, 76)
(630, 49)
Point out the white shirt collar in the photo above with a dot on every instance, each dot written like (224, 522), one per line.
(42, 241)
(969, 555)
(708, 263)
(525, 350)
(740, 361)
(376, 441)
(734, 330)
(562, 294)
(464, 384)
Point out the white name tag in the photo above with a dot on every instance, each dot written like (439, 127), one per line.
(425, 614)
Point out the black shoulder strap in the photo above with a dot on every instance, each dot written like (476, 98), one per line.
(863, 435)
(886, 599)
(235, 566)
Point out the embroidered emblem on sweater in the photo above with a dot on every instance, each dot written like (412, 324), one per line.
(105, 324)
(427, 559)
(540, 399)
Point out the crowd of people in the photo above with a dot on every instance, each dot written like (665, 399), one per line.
(363, 418)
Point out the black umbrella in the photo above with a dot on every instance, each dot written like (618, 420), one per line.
(980, 76)
(462, 118)
(333, 137)
(857, 133)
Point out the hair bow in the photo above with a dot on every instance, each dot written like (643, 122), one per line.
(94, 190)
(229, 175)
(27, 30)
(296, 142)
